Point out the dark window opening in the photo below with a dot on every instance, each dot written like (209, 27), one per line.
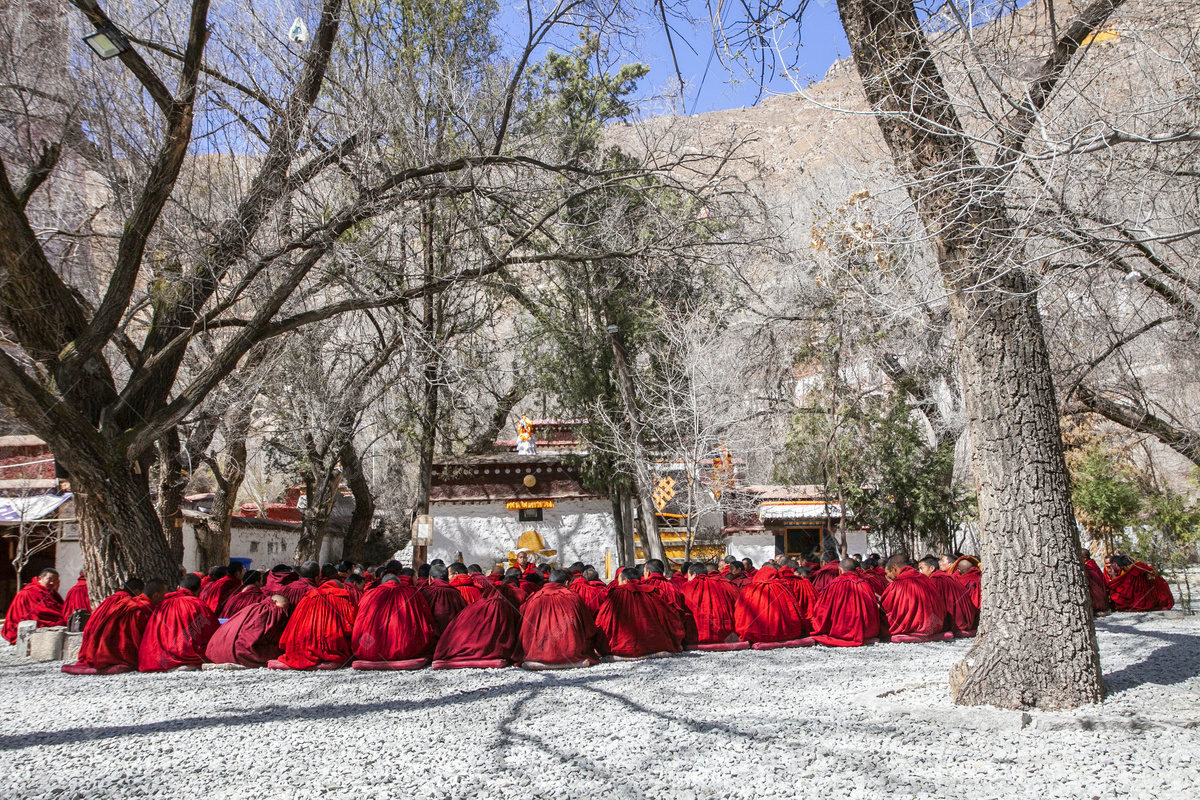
(529, 515)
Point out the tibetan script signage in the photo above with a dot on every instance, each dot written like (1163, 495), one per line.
(524, 505)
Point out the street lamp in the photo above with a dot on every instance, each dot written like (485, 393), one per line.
(107, 41)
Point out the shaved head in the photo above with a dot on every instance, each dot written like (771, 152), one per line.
(280, 601)
(928, 565)
(190, 582)
(847, 565)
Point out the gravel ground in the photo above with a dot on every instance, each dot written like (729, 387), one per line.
(813, 722)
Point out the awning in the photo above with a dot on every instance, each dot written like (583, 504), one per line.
(799, 510)
(31, 509)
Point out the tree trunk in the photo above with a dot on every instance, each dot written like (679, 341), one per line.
(1037, 642)
(229, 474)
(364, 505)
(316, 516)
(170, 492)
(652, 546)
(429, 413)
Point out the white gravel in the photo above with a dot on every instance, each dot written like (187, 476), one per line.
(784, 723)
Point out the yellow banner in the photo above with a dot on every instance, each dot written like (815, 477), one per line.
(521, 505)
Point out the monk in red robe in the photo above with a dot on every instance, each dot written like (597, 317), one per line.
(77, 598)
(319, 630)
(219, 591)
(557, 627)
(591, 590)
(711, 600)
(670, 594)
(633, 622)
(801, 588)
(531, 582)
(251, 637)
(825, 575)
(1097, 585)
(847, 613)
(767, 611)
(496, 575)
(733, 573)
(485, 634)
(114, 631)
(250, 594)
(394, 623)
(1136, 586)
(969, 575)
(462, 583)
(279, 576)
(485, 586)
(38, 600)
(308, 576)
(445, 602)
(912, 606)
(510, 587)
(962, 615)
(178, 630)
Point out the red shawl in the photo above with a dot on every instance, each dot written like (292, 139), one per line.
(711, 603)
(912, 605)
(824, 576)
(1097, 586)
(467, 588)
(295, 592)
(961, 612)
(592, 593)
(670, 594)
(250, 637)
(444, 603)
(320, 628)
(634, 622)
(177, 633)
(487, 629)
(249, 596)
(766, 610)
(114, 631)
(847, 613)
(35, 602)
(801, 589)
(557, 627)
(276, 581)
(1140, 588)
(393, 624)
(77, 598)
(972, 579)
(217, 594)
(513, 593)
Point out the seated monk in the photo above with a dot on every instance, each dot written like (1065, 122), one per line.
(847, 613)
(874, 574)
(801, 588)
(510, 587)
(912, 605)
(485, 634)
(251, 636)
(217, 593)
(481, 581)
(250, 594)
(734, 574)
(591, 589)
(946, 564)
(178, 631)
(557, 626)
(531, 582)
(423, 575)
(969, 575)
(1137, 587)
(670, 594)
(114, 631)
(77, 598)
(308, 576)
(38, 600)
(279, 576)
(748, 568)
(496, 575)
(962, 615)
(463, 584)
(681, 577)
(394, 623)
(1097, 585)
(633, 622)
(320, 628)
(711, 601)
(355, 586)
(445, 602)
(767, 611)
(825, 575)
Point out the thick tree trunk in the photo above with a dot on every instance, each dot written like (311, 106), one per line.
(230, 475)
(1037, 643)
(170, 492)
(364, 505)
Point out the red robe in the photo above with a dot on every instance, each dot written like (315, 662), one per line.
(295, 591)
(962, 614)
(177, 633)
(1097, 586)
(217, 594)
(485, 586)
(972, 579)
(877, 578)
(1139, 588)
(35, 602)
(393, 624)
(711, 602)
(801, 589)
(847, 613)
(557, 627)
(488, 629)
(276, 581)
(592, 593)
(249, 596)
(77, 598)
(513, 593)
(912, 605)
(634, 622)
(679, 579)
(114, 631)
(250, 637)
(670, 594)
(319, 629)
(766, 610)
(467, 588)
(445, 603)
(356, 594)
(824, 576)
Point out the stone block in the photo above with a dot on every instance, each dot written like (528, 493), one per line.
(46, 644)
(24, 631)
(71, 647)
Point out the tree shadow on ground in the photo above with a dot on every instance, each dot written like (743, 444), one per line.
(1175, 663)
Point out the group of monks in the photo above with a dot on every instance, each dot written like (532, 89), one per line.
(538, 617)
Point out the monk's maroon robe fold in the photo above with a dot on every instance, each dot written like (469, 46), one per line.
(114, 631)
(445, 603)
(962, 614)
(557, 627)
(847, 612)
(35, 602)
(766, 610)
(912, 605)
(177, 633)
(488, 629)
(217, 594)
(320, 628)
(711, 602)
(634, 622)
(394, 623)
(77, 598)
(250, 637)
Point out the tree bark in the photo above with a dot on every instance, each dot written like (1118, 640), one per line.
(364, 505)
(229, 476)
(170, 492)
(1037, 642)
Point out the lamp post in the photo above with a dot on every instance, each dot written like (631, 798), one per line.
(107, 41)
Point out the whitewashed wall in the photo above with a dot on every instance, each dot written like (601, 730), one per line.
(758, 547)
(68, 560)
(580, 530)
